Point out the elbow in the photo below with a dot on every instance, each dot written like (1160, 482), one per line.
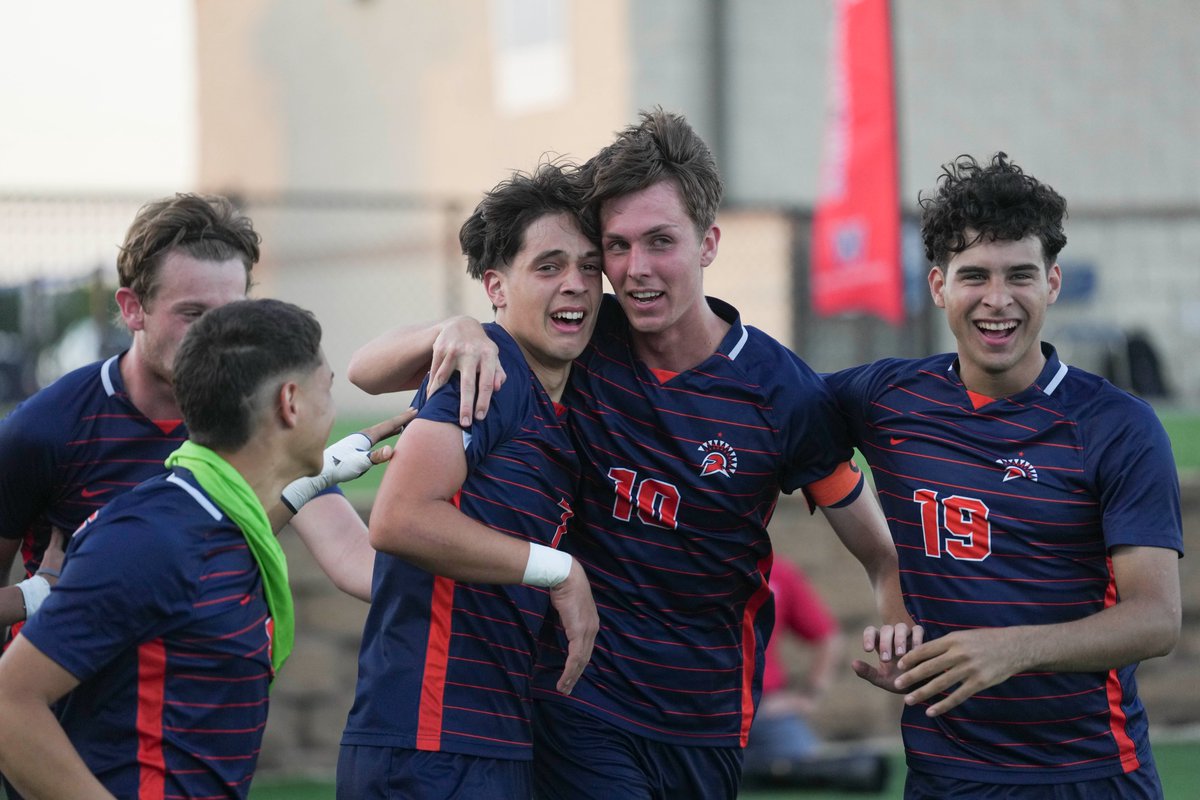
(1165, 638)
(358, 374)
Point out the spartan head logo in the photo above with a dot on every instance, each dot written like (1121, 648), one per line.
(1017, 468)
(719, 458)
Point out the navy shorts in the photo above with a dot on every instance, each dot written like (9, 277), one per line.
(1141, 784)
(365, 772)
(577, 756)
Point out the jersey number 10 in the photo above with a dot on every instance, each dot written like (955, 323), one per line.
(963, 528)
(657, 502)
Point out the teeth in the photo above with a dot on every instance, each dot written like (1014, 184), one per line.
(568, 316)
(645, 295)
(996, 326)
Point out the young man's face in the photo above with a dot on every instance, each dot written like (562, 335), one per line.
(547, 297)
(995, 294)
(187, 287)
(316, 400)
(654, 257)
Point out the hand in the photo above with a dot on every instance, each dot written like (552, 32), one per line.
(462, 346)
(887, 641)
(52, 557)
(572, 599)
(972, 660)
(346, 459)
(385, 430)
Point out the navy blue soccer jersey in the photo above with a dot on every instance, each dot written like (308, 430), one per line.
(160, 614)
(71, 448)
(445, 666)
(681, 476)
(1004, 512)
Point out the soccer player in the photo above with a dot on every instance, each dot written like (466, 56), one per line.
(1035, 508)
(689, 424)
(173, 612)
(104, 428)
(442, 707)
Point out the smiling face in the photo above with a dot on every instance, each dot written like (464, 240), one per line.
(995, 294)
(547, 297)
(186, 288)
(315, 393)
(654, 258)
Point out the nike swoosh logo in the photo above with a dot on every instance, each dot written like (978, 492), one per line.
(94, 492)
(896, 441)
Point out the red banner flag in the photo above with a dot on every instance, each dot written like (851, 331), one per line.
(856, 226)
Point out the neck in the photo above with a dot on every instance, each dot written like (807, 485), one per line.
(685, 344)
(149, 392)
(1002, 384)
(553, 379)
(261, 466)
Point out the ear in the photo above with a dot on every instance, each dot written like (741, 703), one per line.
(708, 246)
(133, 313)
(289, 404)
(1054, 278)
(937, 283)
(494, 284)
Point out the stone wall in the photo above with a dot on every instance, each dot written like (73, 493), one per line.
(315, 690)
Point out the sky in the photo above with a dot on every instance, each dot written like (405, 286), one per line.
(97, 95)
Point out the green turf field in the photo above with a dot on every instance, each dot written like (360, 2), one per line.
(1178, 765)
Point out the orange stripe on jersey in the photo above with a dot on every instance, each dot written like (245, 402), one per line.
(437, 657)
(151, 688)
(663, 375)
(1112, 686)
(749, 646)
(836, 486)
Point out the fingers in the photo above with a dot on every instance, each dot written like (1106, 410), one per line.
(466, 397)
(58, 537)
(389, 427)
(382, 454)
(572, 599)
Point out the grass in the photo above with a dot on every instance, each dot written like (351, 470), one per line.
(1177, 762)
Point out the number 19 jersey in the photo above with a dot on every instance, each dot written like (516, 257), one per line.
(1004, 512)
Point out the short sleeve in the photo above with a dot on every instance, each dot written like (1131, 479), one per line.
(127, 579)
(814, 435)
(1136, 480)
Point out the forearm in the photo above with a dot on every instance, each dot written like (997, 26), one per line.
(394, 361)
(1120, 635)
(439, 538)
(861, 527)
(12, 605)
(336, 537)
(37, 757)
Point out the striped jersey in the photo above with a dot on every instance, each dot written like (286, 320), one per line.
(71, 448)
(681, 476)
(445, 666)
(160, 614)
(1004, 512)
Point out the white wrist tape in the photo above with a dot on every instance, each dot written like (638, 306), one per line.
(345, 460)
(546, 566)
(35, 590)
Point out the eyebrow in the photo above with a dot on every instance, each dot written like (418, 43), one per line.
(648, 232)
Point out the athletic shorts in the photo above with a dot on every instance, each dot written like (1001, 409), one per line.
(365, 772)
(1141, 784)
(580, 757)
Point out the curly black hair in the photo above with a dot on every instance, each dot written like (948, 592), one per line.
(994, 202)
(495, 231)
